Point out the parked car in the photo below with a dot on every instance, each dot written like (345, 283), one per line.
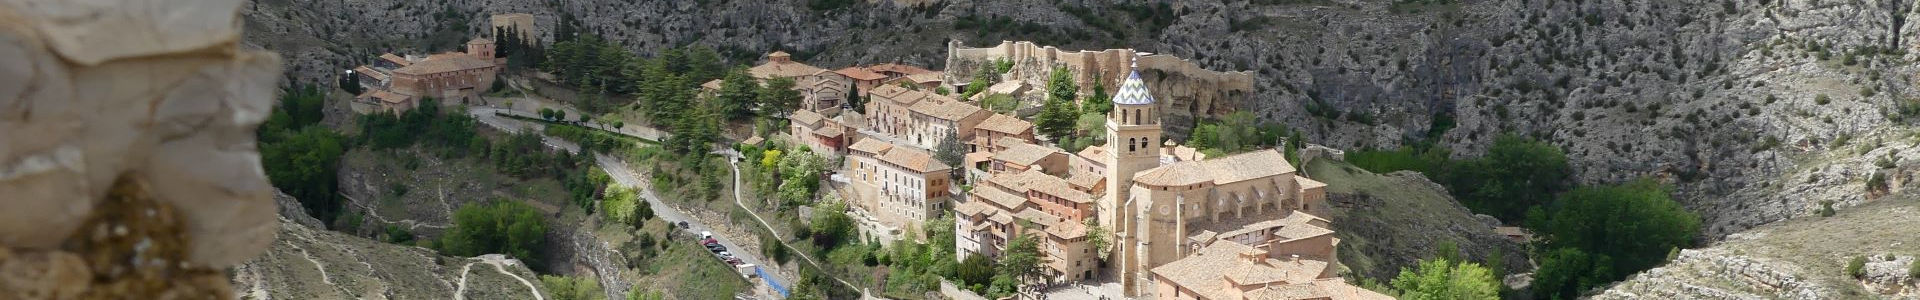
(734, 261)
(710, 241)
(725, 255)
(716, 248)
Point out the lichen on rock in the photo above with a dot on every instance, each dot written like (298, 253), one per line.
(95, 89)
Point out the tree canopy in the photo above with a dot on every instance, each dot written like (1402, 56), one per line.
(1601, 234)
(1441, 279)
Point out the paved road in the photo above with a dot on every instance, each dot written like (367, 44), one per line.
(622, 175)
(625, 176)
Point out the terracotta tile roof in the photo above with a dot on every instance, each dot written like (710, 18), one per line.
(1051, 224)
(873, 146)
(479, 41)
(1015, 182)
(898, 68)
(897, 94)
(970, 208)
(1041, 182)
(858, 73)
(386, 97)
(1246, 166)
(1289, 292)
(1007, 141)
(711, 85)
(830, 131)
(1001, 217)
(755, 140)
(1225, 265)
(445, 62)
(928, 77)
(977, 157)
(1025, 154)
(1096, 152)
(773, 69)
(1296, 225)
(1005, 124)
(369, 71)
(945, 108)
(914, 160)
(806, 118)
(1339, 289)
(1000, 198)
(1224, 170)
(1307, 184)
(395, 59)
(1085, 180)
(1176, 174)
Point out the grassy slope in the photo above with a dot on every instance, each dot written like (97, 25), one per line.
(362, 268)
(1812, 251)
(437, 186)
(683, 270)
(1386, 222)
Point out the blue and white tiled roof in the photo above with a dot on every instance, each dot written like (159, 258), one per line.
(1133, 91)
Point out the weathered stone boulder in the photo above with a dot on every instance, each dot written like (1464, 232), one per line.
(156, 91)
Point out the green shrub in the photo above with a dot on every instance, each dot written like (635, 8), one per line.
(508, 227)
(1913, 270)
(1826, 208)
(1856, 268)
(1821, 99)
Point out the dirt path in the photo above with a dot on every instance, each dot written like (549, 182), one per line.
(498, 262)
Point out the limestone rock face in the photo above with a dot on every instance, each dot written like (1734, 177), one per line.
(92, 90)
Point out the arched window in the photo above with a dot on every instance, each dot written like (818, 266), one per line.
(1130, 145)
(1136, 116)
(1123, 115)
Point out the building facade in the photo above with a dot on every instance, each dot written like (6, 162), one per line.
(906, 186)
(450, 78)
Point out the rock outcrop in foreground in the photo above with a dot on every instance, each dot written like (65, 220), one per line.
(153, 100)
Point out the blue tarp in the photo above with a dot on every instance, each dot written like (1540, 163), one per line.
(775, 284)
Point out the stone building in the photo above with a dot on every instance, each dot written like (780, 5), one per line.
(1187, 91)
(902, 185)
(996, 128)
(822, 134)
(1034, 204)
(1157, 203)
(863, 79)
(869, 77)
(1290, 259)
(823, 91)
(452, 77)
(920, 118)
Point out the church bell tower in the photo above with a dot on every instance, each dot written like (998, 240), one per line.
(1133, 145)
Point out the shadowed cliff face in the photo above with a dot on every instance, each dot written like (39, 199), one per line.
(1693, 91)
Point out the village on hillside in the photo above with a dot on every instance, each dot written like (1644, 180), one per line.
(1110, 205)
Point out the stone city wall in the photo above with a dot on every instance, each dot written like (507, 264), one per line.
(1184, 90)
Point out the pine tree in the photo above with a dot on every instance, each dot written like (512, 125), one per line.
(1056, 118)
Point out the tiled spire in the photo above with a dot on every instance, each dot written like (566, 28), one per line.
(1133, 91)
